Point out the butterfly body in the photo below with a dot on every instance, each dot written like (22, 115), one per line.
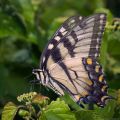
(69, 61)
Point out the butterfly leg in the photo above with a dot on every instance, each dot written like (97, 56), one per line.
(35, 81)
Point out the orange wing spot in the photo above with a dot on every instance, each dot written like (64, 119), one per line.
(77, 97)
(104, 88)
(100, 78)
(84, 93)
(97, 68)
(89, 82)
(89, 61)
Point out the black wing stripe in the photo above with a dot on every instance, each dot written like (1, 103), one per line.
(56, 55)
(102, 25)
(69, 46)
(67, 73)
(54, 86)
(63, 86)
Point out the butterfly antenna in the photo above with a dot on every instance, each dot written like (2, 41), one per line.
(32, 85)
(28, 76)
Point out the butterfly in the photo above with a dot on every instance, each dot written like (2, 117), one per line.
(69, 61)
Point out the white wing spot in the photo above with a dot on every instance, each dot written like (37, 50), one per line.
(62, 29)
(101, 21)
(98, 40)
(100, 27)
(97, 47)
(102, 16)
(96, 54)
(99, 33)
(50, 46)
(57, 38)
(80, 17)
(43, 59)
(72, 21)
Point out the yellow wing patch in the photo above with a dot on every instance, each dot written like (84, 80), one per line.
(101, 78)
(89, 61)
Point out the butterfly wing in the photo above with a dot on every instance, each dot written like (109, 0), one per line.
(80, 45)
(61, 33)
(72, 76)
(82, 40)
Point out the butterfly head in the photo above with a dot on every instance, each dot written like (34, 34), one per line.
(40, 75)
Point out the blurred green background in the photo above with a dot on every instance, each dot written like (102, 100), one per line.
(27, 25)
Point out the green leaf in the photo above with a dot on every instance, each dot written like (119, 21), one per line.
(70, 102)
(108, 111)
(113, 52)
(9, 111)
(57, 110)
(8, 26)
(23, 113)
(26, 9)
(114, 43)
(98, 113)
(103, 51)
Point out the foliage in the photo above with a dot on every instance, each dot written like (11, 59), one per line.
(26, 26)
(38, 107)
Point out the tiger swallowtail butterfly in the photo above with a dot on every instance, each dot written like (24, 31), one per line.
(69, 61)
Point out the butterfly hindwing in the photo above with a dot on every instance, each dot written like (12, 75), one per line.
(67, 73)
(83, 83)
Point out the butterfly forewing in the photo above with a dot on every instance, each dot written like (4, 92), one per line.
(82, 40)
(61, 33)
